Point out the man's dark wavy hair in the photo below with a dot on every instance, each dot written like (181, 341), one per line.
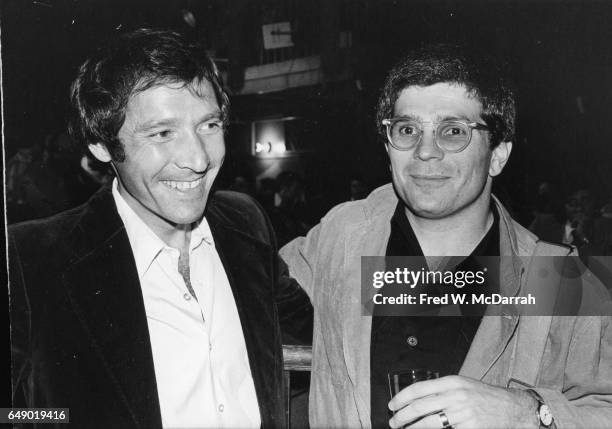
(131, 63)
(483, 76)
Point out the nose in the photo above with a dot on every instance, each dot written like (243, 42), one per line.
(427, 148)
(192, 153)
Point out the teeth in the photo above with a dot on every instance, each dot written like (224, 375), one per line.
(182, 185)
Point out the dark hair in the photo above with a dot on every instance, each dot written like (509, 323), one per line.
(131, 63)
(482, 75)
(286, 179)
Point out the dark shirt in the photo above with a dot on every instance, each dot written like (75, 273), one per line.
(428, 342)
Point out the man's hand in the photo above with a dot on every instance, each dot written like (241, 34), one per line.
(467, 403)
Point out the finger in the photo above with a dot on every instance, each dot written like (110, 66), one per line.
(425, 388)
(457, 419)
(432, 421)
(420, 408)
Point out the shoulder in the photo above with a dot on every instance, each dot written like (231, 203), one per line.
(68, 234)
(39, 248)
(45, 233)
(240, 212)
(529, 243)
(380, 201)
(523, 241)
(235, 208)
(232, 201)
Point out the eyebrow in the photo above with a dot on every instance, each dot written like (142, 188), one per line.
(456, 118)
(171, 122)
(418, 118)
(156, 124)
(410, 117)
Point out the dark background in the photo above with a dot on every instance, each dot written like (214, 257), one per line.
(559, 53)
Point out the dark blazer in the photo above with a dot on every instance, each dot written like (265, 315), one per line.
(79, 330)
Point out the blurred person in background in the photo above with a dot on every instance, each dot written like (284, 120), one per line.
(290, 213)
(548, 213)
(35, 183)
(357, 189)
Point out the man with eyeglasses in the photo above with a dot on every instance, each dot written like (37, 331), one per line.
(447, 116)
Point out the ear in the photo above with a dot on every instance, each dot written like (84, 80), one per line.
(388, 157)
(100, 152)
(499, 157)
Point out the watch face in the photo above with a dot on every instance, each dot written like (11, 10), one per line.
(545, 415)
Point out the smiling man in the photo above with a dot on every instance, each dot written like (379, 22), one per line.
(152, 305)
(447, 119)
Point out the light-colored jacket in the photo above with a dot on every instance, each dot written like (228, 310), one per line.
(568, 360)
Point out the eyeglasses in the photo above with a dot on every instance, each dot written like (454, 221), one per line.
(450, 136)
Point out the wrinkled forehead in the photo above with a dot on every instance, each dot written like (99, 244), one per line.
(199, 87)
(439, 101)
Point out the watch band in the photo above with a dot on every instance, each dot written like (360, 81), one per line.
(543, 413)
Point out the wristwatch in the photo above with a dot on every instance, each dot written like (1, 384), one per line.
(543, 413)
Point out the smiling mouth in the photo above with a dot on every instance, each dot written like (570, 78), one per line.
(428, 177)
(183, 185)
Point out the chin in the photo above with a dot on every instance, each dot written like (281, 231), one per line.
(428, 211)
(423, 204)
(429, 214)
(187, 218)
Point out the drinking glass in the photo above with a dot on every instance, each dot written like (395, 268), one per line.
(400, 379)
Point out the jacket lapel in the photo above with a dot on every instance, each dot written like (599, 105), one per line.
(104, 289)
(357, 328)
(247, 263)
(491, 340)
(496, 328)
(499, 324)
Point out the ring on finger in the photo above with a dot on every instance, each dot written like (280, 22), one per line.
(444, 420)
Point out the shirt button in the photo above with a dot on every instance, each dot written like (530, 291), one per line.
(187, 296)
(221, 408)
(210, 347)
(412, 341)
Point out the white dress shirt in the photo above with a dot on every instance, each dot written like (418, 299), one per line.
(201, 366)
(568, 237)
